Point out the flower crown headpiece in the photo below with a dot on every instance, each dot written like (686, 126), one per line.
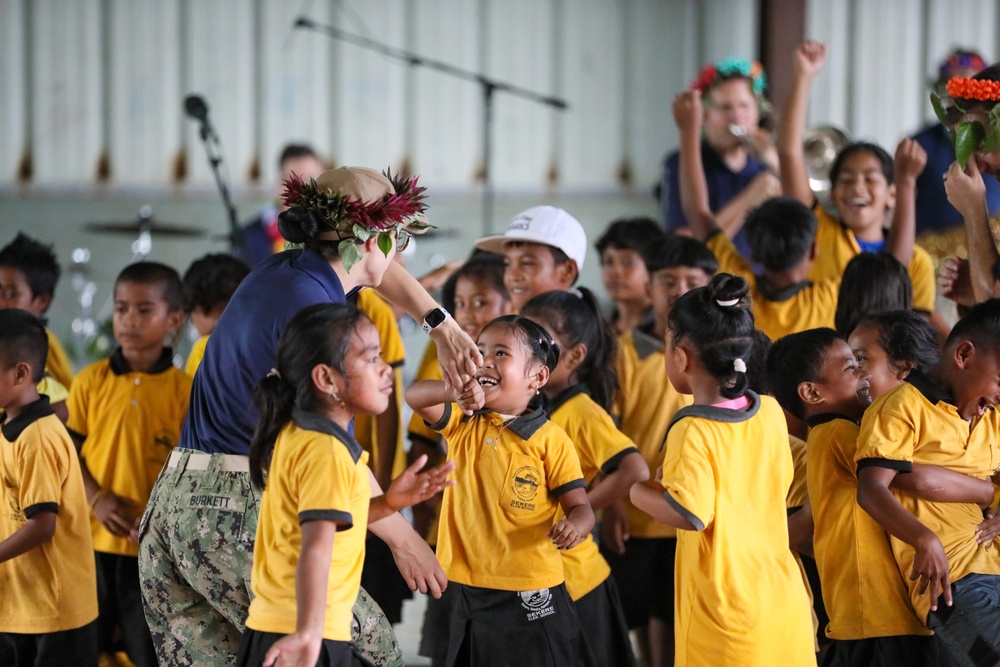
(969, 135)
(341, 217)
(730, 68)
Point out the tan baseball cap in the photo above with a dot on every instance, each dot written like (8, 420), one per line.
(367, 186)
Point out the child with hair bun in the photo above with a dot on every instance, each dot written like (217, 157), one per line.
(500, 531)
(740, 599)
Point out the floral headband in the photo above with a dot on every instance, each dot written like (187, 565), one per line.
(341, 217)
(731, 68)
(970, 135)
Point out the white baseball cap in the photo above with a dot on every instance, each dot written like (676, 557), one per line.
(546, 225)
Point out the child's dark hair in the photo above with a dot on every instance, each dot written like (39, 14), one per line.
(541, 347)
(23, 339)
(640, 234)
(872, 282)
(35, 260)
(672, 251)
(980, 326)
(482, 266)
(294, 152)
(798, 358)
(716, 321)
(319, 334)
(884, 159)
(780, 233)
(907, 338)
(211, 280)
(154, 273)
(756, 363)
(576, 318)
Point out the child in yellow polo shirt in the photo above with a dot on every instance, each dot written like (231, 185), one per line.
(816, 377)
(943, 417)
(740, 597)
(125, 413)
(499, 537)
(637, 548)
(319, 494)
(48, 603)
(866, 185)
(475, 295)
(580, 391)
(209, 283)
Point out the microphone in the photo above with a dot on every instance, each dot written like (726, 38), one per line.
(195, 107)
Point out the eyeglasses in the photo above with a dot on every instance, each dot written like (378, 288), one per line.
(402, 239)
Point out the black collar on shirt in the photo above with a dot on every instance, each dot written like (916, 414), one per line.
(931, 391)
(310, 421)
(825, 417)
(524, 426)
(644, 342)
(31, 413)
(120, 366)
(716, 414)
(562, 397)
(783, 294)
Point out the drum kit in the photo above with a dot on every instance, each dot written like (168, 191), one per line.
(89, 325)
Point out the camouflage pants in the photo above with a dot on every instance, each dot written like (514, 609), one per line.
(195, 558)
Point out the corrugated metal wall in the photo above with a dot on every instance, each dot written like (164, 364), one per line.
(91, 90)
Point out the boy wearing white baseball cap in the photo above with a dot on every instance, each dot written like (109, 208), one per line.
(544, 248)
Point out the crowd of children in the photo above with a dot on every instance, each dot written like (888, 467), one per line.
(772, 450)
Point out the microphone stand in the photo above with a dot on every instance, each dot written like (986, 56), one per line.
(237, 244)
(487, 85)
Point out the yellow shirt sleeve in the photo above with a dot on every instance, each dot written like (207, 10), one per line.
(562, 464)
(921, 271)
(730, 260)
(688, 474)
(79, 401)
(42, 469)
(318, 499)
(52, 388)
(197, 354)
(886, 434)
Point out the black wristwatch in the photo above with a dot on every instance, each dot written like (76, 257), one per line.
(434, 319)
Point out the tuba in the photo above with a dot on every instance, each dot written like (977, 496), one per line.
(821, 145)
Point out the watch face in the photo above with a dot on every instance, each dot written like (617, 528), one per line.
(435, 318)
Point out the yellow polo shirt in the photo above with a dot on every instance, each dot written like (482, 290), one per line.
(917, 423)
(196, 355)
(394, 354)
(863, 591)
(130, 422)
(836, 246)
(779, 313)
(57, 362)
(509, 474)
(644, 407)
(740, 599)
(52, 587)
(318, 473)
(601, 447)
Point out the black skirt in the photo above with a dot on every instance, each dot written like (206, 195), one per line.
(255, 644)
(491, 628)
(604, 626)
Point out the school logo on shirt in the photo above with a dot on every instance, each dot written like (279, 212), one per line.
(15, 512)
(165, 438)
(526, 481)
(539, 603)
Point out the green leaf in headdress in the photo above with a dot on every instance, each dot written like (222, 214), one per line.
(968, 137)
(938, 107)
(349, 253)
(384, 243)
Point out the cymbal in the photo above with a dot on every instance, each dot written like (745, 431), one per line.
(135, 227)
